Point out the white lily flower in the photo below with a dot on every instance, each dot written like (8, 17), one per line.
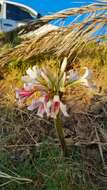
(46, 78)
(41, 104)
(56, 106)
(28, 86)
(33, 73)
(35, 104)
(27, 79)
(88, 83)
(85, 80)
(41, 111)
(38, 104)
(48, 108)
(87, 75)
(22, 94)
(64, 109)
(73, 76)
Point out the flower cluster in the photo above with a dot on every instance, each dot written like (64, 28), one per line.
(50, 86)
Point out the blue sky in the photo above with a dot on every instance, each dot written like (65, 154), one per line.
(45, 7)
(50, 6)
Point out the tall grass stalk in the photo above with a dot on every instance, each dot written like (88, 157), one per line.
(13, 178)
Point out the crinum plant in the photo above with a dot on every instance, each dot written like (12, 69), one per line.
(50, 87)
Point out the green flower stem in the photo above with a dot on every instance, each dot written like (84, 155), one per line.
(60, 133)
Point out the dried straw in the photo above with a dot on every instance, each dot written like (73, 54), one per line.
(64, 41)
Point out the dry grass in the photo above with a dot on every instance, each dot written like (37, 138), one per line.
(64, 41)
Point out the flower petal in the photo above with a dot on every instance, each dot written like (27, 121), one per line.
(46, 78)
(20, 94)
(26, 78)
(88, 83)
(73, 76)
(31, 73)
(34, 72)
(35, 104)
(64, 109)
(55, 107)
(48, 108)
(87, 75)
(41, 110)
(28, 86)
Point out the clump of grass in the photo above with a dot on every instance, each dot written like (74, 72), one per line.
(10, 179)
(47, 168)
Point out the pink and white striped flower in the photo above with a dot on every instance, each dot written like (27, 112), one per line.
(40, 104)
(22, 94)
(49, 107)
(55, 106)
(49, 84)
